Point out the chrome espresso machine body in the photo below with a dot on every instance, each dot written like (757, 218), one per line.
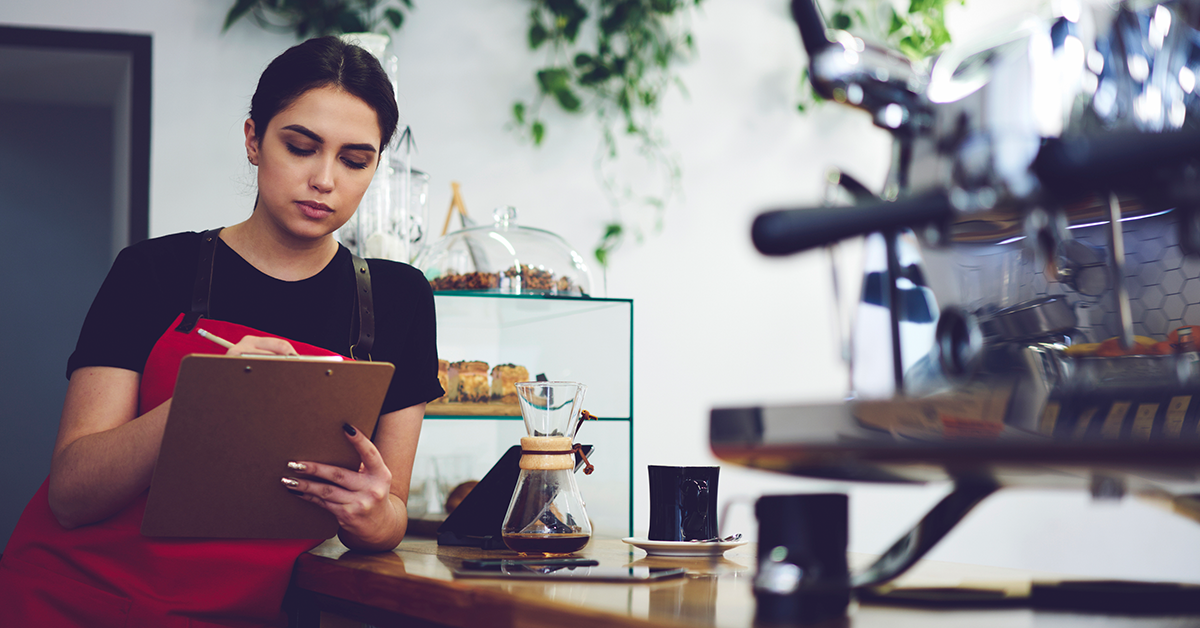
(1031, 269)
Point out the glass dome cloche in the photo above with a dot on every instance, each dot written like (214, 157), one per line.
(505, 258)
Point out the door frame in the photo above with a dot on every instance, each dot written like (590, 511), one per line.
(138, 49)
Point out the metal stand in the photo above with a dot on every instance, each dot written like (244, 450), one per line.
(967, 493)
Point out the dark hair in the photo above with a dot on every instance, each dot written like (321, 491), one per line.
(325, 62)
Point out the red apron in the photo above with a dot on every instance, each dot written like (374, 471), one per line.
(108, 574)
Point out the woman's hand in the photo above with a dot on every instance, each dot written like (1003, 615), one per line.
(261, 345)
(361, 500)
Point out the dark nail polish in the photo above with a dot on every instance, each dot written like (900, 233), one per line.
(349, 429)
(294, 492)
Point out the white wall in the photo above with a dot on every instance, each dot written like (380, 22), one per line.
(715, 323)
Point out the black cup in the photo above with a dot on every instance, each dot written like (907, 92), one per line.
(803, 575)
(683, 503)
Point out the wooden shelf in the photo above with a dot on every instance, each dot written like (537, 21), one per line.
(473, 409)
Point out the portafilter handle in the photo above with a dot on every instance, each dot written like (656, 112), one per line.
(1111, 161)
(788, 231)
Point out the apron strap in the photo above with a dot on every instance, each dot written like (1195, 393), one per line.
(361, 348)
(363, 304)
(203, 286)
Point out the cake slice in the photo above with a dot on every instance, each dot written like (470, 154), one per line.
(504, 380)
(469, 382)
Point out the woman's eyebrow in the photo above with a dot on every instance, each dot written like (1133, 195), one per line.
(302, 130)
(366, 147)
(306, 132)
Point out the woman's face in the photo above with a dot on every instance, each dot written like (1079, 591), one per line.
(315, 161)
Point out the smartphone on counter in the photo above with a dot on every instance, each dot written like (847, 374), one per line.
(511, 562)
(576, 573)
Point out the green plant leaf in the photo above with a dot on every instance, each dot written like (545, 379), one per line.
(614, 233)
(570, 29)
(569, 15)
(348, 22)
(616, 17)
(552, 80)
(566, 8)
(537, 35)
(618, 75)
(624, 102)
(595, 76)
(237, 12)
(912, 48)
(938, 34)
(925, 7)
(840, 20)
(666, 7)
(394, 17)
(307, 18)
(567, 99)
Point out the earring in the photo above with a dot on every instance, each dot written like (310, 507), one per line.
(251, 160)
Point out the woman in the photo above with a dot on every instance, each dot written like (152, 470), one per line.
(276, 283)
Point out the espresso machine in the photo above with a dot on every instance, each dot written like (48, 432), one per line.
(1030, 274)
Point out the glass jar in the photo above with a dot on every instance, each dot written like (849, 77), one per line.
(506, 258)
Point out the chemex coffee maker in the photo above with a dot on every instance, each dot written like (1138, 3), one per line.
(1030, 276)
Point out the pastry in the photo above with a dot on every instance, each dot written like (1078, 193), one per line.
(539, 280)
(469, 382)
(466, 281)
(504, 380)
(444, 380)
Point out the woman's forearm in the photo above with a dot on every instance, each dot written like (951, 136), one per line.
(105, 455)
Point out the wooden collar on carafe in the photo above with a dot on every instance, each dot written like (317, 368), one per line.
(553, 453)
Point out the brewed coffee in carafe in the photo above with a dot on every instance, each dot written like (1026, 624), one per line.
(546, 515)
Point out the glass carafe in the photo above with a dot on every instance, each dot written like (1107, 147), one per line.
(546, 515)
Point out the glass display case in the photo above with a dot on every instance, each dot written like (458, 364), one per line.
(588, 340)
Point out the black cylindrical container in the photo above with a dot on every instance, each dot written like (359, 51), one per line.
(683, 503)
(803, 576)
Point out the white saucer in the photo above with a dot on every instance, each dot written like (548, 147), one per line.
(682, 548)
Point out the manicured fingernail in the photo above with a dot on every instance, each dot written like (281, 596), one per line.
(296, 466)
(295, 492)
(289, 482)
(349, 429)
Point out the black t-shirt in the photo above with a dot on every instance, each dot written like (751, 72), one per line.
(151, 283)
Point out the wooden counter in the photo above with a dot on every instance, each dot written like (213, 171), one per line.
(414, 586)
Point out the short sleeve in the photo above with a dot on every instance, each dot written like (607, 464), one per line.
(133, 307)
(406, 329)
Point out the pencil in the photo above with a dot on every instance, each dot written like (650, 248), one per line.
(215, 338)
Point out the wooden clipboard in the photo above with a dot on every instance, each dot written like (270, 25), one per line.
(235, 422)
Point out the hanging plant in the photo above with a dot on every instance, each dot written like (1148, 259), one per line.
(317, 18)
(919, 33)
(612, 60)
